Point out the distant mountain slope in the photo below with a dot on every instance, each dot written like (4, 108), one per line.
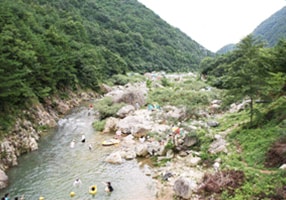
(226, 48)
(272, 29)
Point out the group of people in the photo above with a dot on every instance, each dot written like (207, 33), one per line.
(7, 197)
(77, 182)
(72, 144)
(108, 188)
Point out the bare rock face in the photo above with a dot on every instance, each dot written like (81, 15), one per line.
(3, 179)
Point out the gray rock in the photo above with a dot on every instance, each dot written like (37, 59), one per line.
(184, 187)
(141, 150)
(125, 110)
(3, 180)
(114, 158)
(213, 123)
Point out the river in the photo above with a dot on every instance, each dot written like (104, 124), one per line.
(51, 170)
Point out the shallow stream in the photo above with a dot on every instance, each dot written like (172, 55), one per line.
(51, 170)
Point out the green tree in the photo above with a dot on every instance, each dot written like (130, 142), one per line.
(247, 75)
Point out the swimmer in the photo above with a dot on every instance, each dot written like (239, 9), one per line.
(77, 182)
(6, 197)
(72, 144)
(90, 147)
(93, 188)
(142, 139)
(83, 138)
(108, 187)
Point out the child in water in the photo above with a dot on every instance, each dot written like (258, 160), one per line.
(77, 183)
(83, 138)
(108, 187)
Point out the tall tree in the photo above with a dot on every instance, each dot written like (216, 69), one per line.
(247, 75)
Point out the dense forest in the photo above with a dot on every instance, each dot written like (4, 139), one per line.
(46, 46)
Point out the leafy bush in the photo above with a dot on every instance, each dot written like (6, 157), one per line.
(99, 125)
(120, 79)
(107, 108)
(165, 82)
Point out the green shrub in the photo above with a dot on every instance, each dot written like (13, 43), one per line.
(107, 108)
(165, 82)
(120, 79)
(99, 125)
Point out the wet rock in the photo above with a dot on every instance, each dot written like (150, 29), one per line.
(114, 158)
(3, 180)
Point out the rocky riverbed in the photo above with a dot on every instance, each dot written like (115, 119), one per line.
(147, 132)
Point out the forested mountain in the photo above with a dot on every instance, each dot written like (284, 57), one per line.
(226, 48)
(272, 29)
(46, 45)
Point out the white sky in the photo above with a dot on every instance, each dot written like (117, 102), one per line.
(215, 23)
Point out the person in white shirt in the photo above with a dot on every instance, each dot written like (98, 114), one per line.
(90, 147)
(83, 138)
(72, 144)
(77, 182)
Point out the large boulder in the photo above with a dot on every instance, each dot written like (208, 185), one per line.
(141, 150)
(125, 110)
(110, 125)
(130, 94)
(134, 125)
(218, 145)
(3, 180)
(184, 187)
(172, 112)
(114, 158)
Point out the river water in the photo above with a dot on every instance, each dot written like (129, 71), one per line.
(51, 170)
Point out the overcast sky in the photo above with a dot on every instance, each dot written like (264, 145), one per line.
(215, 23)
